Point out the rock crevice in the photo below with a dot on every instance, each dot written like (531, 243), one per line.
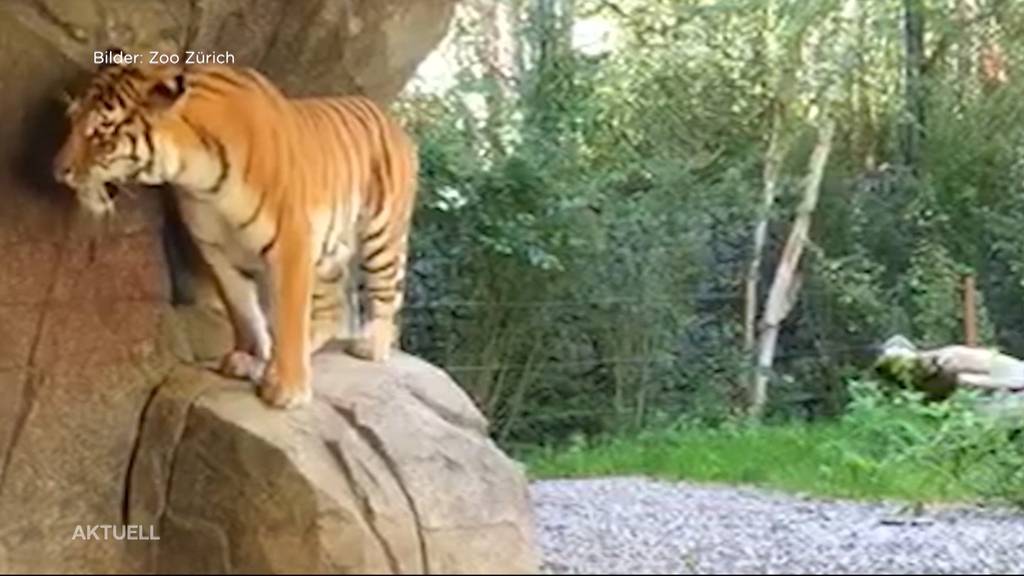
(370, 439)
(365, 508)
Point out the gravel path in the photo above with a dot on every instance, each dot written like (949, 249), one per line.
(640, 526)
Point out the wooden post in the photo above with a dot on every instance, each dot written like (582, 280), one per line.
(970, 318)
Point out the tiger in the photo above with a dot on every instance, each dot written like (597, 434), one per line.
(294, 195)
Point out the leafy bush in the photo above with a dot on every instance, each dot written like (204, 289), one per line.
(951, 439)
(890, 444)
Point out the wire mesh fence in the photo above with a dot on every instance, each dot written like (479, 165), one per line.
(545, 381)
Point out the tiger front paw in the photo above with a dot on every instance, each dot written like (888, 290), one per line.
(242, 365)
(284, 393)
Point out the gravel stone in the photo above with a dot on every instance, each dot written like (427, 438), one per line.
(636, 525)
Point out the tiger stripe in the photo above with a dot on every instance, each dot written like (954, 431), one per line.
(305, 195)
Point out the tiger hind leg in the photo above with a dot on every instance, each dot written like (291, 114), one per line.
(335, 311)
(383, 266)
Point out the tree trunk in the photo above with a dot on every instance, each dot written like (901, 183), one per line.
(498, 47)
(867, 132)
(496, 51)
(914, 42)
(992, 66)
(548, 79)
(981, 59)
(780, 85)
(772, 171)
(786, 284)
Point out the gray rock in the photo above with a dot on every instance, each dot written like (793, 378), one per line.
(372, 479)
(389, 471)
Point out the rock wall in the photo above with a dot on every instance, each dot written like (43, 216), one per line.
(103, 420)
(308, 46)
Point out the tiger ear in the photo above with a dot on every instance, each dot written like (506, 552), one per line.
(166, 92)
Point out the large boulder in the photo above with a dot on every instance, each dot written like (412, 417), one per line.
(389, 471)
(107, 417)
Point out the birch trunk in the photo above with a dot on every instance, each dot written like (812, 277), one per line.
(772, 171)
(496, 52)
(786, 284)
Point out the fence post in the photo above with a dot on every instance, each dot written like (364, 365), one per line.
(970, 318)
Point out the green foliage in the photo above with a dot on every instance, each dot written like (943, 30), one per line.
(956, 442)
(585, 226)
(933, 294)
(888, 445)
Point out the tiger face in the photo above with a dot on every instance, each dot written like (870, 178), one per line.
(111, 140)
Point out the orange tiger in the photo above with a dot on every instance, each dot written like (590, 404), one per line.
(276, 191)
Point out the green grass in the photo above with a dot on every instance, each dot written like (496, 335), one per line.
(889, 445)
(828, 459)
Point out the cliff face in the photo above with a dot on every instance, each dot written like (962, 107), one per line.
(308, 46)
(105, 418)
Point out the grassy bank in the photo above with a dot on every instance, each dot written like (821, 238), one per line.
(814, 459)
(884, 449)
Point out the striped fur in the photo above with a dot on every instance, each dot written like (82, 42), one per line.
(276, 192)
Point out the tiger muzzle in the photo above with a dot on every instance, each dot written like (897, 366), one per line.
(64, 169)
(63, 175)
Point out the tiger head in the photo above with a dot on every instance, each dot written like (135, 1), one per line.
(111, 139)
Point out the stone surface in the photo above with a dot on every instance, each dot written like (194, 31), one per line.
(82, 311)
(106, 420)
(308, 46)
(390, 470)
(370, 479)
